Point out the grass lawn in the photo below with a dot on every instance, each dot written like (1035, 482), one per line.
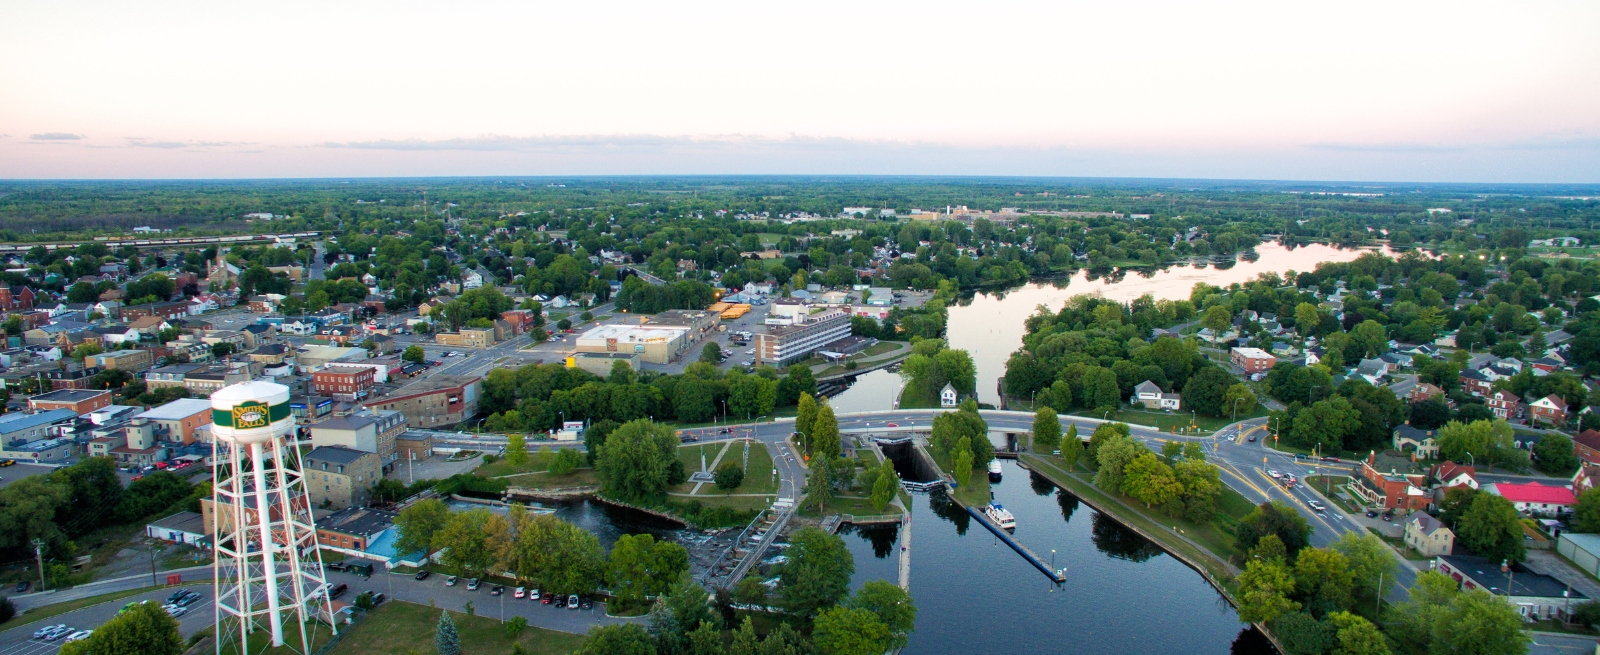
(854, 506)
(757, 475)
(584, 477)
(911, 401)
(503, 466)
(882, 347)
(1168, 422)
(736, 503)
(400, 627)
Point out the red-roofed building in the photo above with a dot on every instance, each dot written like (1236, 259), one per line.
(1451, 474)
(1535, 499)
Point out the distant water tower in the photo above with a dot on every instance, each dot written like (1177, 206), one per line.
(268, 572)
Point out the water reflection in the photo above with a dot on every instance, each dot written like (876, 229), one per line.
(1069, 504)
(1117, 541)
(882, 537)
(1040, 485)
(990, 324)
(946, 509)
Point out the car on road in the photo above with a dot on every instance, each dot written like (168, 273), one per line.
(1316, 505)
(338, 590)
(472, 584)
(450, 581)
(1252, 438)
(520, 592)
(1372, 513)
(892, 425)
(1330, 459)
(1275, 475)
(423, 574)
(497, 590)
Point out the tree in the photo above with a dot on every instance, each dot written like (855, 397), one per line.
(1357, 636)
(729, 476)
(1586, 517)
(817, 574)
(1429, 414)
(1275, 518)
(1492, 529)
(517, 448)
(805, 415)
(1369, 339)
(1150, 481)
(1553, 455)
(1488, 442)
(884, 485)
(145, 629)
(1264, 589)
(1113, 458)
(445, 639)
(1322, 580)
(961, 463)
(1071, 446)
(464, 542)
(416, 525)
(892, 605)
(1451, 620)
(557, 555)
(1239, 399)
(850, 631)
(1205, 391)
(641, 567)
(635, 462)
(414, 354)
(1325, 424)
(819, 484)
(1216, 319)
(617, 639)
(1046, 430)
(1370, 563)
(566, 460)
(679, 612)
(712, 353)
(824, 441)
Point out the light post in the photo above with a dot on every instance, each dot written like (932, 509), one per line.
(1236, 408)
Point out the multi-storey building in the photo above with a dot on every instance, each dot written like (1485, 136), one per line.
(781, 345)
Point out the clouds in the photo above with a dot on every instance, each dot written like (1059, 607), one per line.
(56, 136)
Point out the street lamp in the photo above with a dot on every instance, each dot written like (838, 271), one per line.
(1236, 408)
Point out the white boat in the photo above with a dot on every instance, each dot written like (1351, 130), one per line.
(1001, 516)
(994, 470)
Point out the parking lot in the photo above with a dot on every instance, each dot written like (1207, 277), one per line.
(18, 471)
(19, 639)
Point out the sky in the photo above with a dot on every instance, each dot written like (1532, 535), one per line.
(1455, 91)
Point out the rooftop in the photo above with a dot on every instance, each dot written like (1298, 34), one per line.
(334, 455)
(178, 409)
(357, 521)
(1532, 492)
(351, 422)
(189, 522)
(68, 395)
(16, 422)
(1497, 582)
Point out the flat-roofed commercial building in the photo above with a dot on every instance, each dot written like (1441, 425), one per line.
(18, 428)
(653, 344)
(782, 345)
(1253, 360)
(369, 430)
(341, 477)
(132, 361)
(179, 418)
(81, 401)
(436, 401)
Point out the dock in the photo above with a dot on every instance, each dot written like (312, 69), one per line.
(1017, 546)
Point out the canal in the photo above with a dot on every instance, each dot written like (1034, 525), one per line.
(1122, 593)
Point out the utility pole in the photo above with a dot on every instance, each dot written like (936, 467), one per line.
(38, 554)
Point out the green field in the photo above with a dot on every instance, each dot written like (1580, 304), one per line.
(584, 477)
(400, 627)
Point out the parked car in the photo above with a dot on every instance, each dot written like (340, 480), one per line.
(377, 597)
(78, 636)
(58, 634)
(560, 602)
(472, 584)
(41, 632)
(189, 599)
(572, 602)
(175, 611)
(338, 566)
(23, 586)
(588, 603)
(450, 581)
(497, 590)
(547, 598)
(423, 574)
(1372, 513)
(520, 592)
(338, 590)
(533, 594)
(173, 598)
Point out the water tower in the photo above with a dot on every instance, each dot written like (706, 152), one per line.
(268, 572)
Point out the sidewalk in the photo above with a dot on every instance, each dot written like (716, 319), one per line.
(42, 598)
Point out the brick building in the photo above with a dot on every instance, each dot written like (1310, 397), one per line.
(439, 400)
(341, 477)
(1390, 490)
(1252, 360)
(343, 383)
(81, 401)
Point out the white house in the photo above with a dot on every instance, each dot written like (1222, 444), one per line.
(1153, 398)
(948, 396)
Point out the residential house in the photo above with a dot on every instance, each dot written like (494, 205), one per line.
(1428, 536)
(1551, 409)
(1450, 474)
(1505, 405)
(1585, 478)
(1476, 383)
(1423, 391)
(1424, 443)
(1154, 398)
(948, 396)
(149, 325)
